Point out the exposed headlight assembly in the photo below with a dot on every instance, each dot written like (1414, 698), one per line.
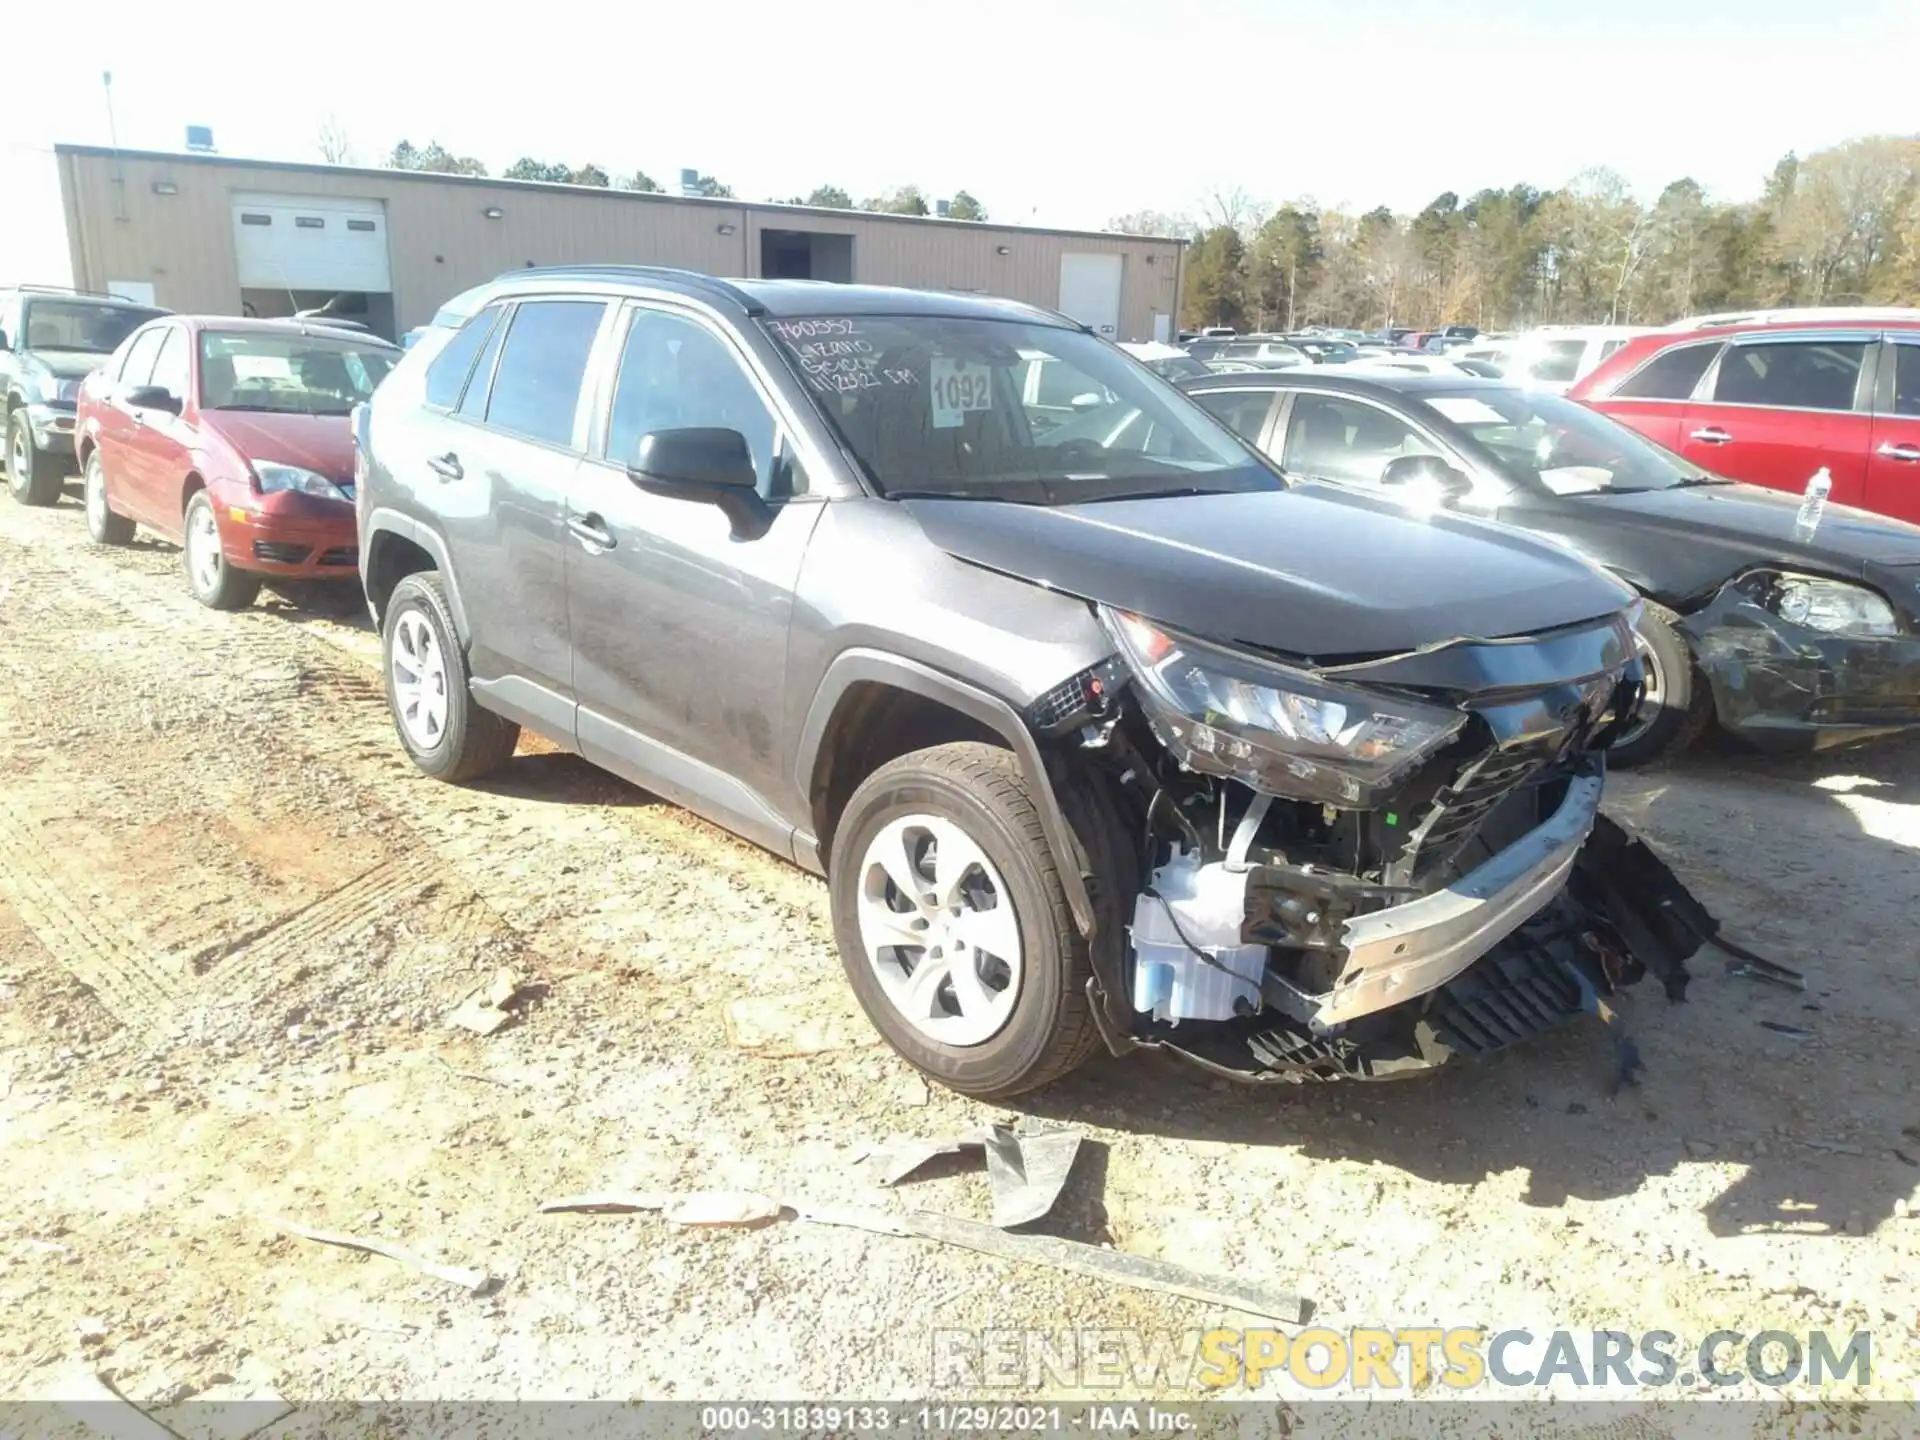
(1834, 606)
(1279, 730)
(275, 478)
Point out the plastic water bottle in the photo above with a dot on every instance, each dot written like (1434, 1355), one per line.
(1814, 505)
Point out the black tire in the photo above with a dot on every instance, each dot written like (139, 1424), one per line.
(473, 741)
(33, 476)
(103, 524)
(222, 587)
(1050, 1029)
(1685, 711)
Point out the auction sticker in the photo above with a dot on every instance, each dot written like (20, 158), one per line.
(959, 386)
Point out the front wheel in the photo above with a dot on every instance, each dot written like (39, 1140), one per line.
(1678, 706)
(445, 732)
(214, 582)
(103, 525)
(32, 475)
(953, 925)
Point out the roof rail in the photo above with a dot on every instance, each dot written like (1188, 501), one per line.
(69, 290)
(693, 279)
(1797, 315)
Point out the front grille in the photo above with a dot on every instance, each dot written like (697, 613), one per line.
(1525, 986)
(341, 555)
(277, 552)
(1456, 812)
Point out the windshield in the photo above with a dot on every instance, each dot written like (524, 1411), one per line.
(1000, 410)
(1558, 445)
(81, 325)
(295, 374)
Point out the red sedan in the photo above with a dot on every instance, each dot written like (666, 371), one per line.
(230, 438)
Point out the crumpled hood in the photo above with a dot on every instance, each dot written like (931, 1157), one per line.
(1754, 523)
(320, 443)
(1312, 571)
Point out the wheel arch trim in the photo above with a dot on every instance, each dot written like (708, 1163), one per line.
(866, 666)
(385, 521)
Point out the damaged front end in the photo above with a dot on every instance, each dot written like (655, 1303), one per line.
(1356, 870)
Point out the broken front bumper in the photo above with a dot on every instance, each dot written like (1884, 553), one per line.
(1396, 954)
(1781, 686)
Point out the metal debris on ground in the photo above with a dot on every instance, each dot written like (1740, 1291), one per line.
(1026, 1168)
(485, 1011)
(714, 1209)
(474, 1281)
(1749, 966)
(1137, 1271)
(1792, 1032)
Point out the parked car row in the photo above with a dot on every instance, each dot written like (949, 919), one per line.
(1105, 730)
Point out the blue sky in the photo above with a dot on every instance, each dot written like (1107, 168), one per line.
(1051, 111)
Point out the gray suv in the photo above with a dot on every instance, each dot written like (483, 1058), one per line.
(52, 338)
(1101, 730)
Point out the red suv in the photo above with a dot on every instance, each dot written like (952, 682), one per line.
(1771, 396)
(231, 438)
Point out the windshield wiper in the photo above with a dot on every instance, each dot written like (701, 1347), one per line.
(1688, 482)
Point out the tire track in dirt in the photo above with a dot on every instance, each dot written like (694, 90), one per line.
(339, 916)
(134, 987)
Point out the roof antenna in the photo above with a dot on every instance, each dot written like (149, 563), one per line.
(113, 138)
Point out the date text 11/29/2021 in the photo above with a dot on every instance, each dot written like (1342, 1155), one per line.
(954, 1419)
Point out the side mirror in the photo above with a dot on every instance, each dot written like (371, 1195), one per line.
(704, 464)
(154, 397)
(1428, 475)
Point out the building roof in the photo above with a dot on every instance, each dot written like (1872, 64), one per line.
(644, 197)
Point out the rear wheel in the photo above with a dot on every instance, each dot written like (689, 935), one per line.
(1678, 706)
(32, 475)
(953, 924)
(103, 524)
(214, 582)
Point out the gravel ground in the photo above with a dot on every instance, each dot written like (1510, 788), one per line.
(233, 922)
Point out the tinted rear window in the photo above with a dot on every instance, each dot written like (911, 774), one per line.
(536, 386)
(1807, 375)
(1670, 375)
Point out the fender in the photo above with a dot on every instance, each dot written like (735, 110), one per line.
(857, 666)
(405, 526)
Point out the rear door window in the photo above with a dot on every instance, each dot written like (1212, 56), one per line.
(1801, 375)
(1906, 380)
(447, 375)
(536, 386)
(1670, 375)
(1242, 411)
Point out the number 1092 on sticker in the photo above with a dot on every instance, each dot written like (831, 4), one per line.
(959, 386)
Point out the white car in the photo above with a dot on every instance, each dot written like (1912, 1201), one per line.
(1169, 362)
(1554, 356)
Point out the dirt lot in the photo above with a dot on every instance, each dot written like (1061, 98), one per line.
(233, 923)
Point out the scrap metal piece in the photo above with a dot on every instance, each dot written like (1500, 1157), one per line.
(1026, 1172)
(1139, 1272)
(475, 1281)
(1792, 1032)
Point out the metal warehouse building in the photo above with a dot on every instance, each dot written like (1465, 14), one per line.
(202, 233)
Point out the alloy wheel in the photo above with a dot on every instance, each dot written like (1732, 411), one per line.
(939, 929)
(204, 561)
(1654, 692)
(19, 457)
(97, 513)
(419, 680)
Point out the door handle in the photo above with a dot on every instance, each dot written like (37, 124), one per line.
(591, 531)
(138, 418)
(1899, 452)
(1711, 435)
(446, 466)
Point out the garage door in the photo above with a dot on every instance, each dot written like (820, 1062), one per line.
(1090, 290)
(295, 242)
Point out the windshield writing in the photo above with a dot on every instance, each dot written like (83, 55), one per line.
(989, 409)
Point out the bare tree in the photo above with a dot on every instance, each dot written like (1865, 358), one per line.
(333, 143)
(1234, 207)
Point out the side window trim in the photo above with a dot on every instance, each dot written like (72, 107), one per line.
(1887, 379)
(490, 354)
(575, 442)
(460, 394)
